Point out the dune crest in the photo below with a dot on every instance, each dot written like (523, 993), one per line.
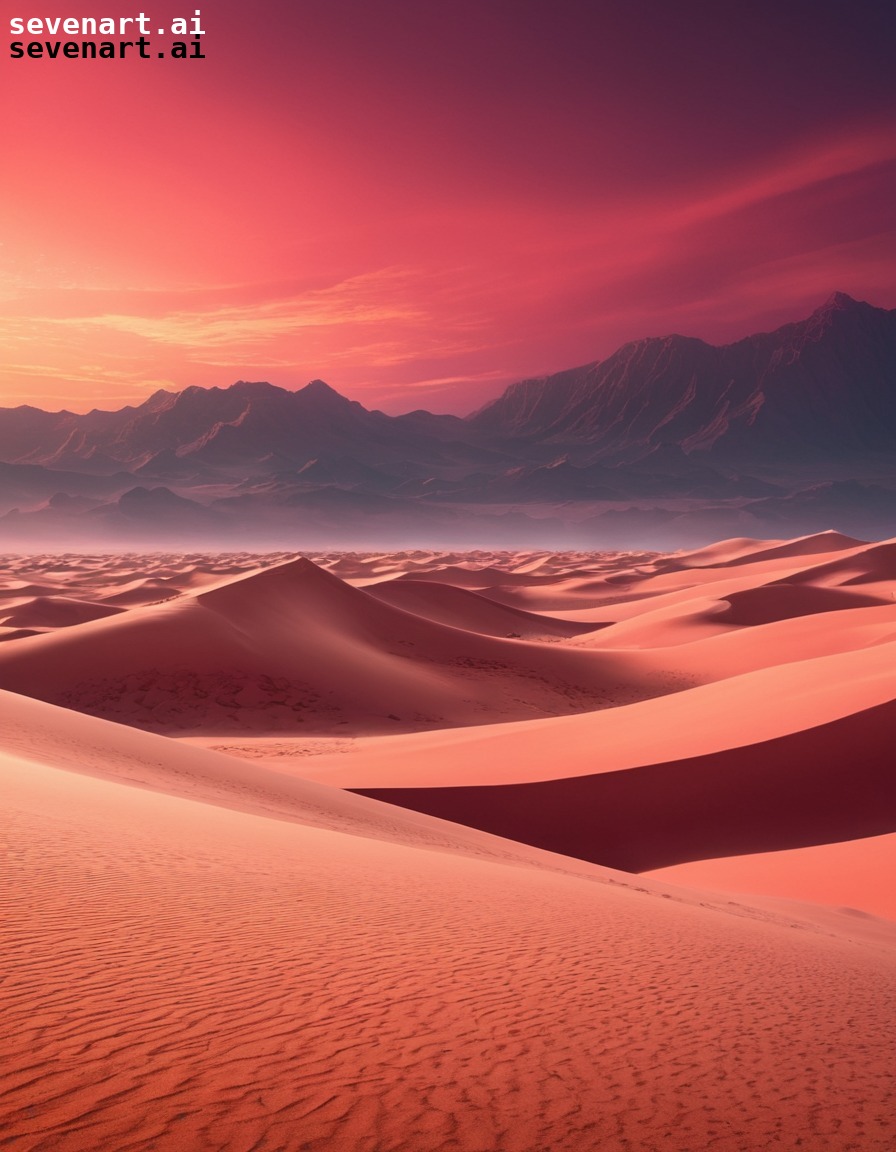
(188, 972)
(293, 646)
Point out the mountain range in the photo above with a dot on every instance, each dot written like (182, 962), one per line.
(669, 440)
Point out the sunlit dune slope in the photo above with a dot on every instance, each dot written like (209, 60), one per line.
(727, 553)
(53, 612)
(460, 608)
(792, 755)
(185, 975)
(853, 875)
(621, 593)
(833, 782)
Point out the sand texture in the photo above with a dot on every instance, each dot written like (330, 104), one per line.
(423, 851)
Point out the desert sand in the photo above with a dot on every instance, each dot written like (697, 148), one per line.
(303, 968)
(346, 872)
(843, 874)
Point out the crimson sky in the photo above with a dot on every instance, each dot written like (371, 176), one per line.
(420, 202)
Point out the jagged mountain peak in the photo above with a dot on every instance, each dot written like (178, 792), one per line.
(255, 388)
(819, 386)
(822, 388)
(841, 302)
(320, 388)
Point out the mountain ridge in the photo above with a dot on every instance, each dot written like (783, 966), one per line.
(793, 429)
(703, 397)
(656, 391)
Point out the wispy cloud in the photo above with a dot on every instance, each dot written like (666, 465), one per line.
(360, 301)
(811, 166)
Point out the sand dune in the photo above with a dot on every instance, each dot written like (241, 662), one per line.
(797, 633)
(293, 645)
(620, 594)
(18, 633)
(459, 576)
(125, 580)
(742, 550)
(54, 612)
(736, 711)
(870, 564)
(461, 608)
(744, 654)
(347, 975)
(855, 875)
(38, 733)
(16, 590)
(139, 593)
(833, 782)
(241, 952)
(707, 671)
(792, 755)
(784, 600)
(703, 648)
